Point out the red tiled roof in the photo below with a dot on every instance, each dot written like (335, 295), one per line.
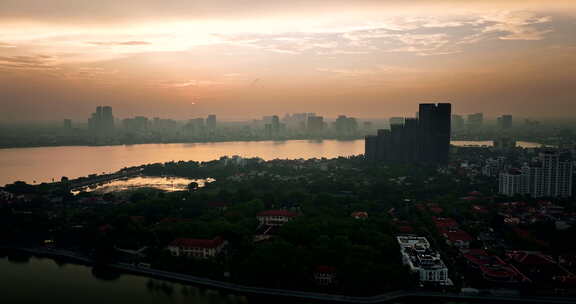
(197, 243)
(444, 222)
(174, 220)
(469, 198)
(359, 214)
(458, 235)
(278, 213)
(436, 210)
(479, 209)
(105, 228)
(325, 269)
(406, 229)
(530, 258)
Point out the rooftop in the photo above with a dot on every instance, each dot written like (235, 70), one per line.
(197, 243)
(285, 213)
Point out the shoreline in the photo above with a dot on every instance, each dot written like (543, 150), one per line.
(239, 140)
(285, 293)
(181, 142)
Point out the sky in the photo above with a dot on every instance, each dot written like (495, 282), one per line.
(242, 59)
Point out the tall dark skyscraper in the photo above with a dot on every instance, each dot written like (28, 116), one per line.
(434, 132)
(419, 140)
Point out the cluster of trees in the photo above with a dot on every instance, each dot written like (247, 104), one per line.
(324, 193)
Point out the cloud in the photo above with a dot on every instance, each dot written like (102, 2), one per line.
(187, 84)
(89, 73)
(521, 25)
(113, 43)
(37, 62)
(106, 10)
(6, 45)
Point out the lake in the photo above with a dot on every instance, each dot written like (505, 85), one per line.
(36, 280)
(168, 184)
(44, 164)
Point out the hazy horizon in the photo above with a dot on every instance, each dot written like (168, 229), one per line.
(244, 59)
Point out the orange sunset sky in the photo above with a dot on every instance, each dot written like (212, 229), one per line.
(245, 58)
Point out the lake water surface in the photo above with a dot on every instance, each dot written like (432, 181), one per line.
(37, 280)
(35, 165)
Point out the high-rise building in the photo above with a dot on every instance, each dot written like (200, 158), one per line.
(138, 124)
(550, 176)
(211, 123)
(315, 124)
(275, 123)
(345, 126)
(513, 182)
(556, 173)
(102, 121)
(505, 122)
(67, 124)
(396, 120)
(423, 140)
(434, 131)
(107, 118)
(475, 121)
(195, 127)
(457, 122)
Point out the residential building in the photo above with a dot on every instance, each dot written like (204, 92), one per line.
(275, 217)
(102, 120)
(457, 122)
(513, 182)
(550, 176)
(492, 268)
(505, 122)
(211, 122)
(325, 275)
(475, 121)
(315, 124)
(396, 120)
(493, 167)
(418, 140)
(359, 215)
(197, 248)
(345, 126)
(67, 124)
(423, 260)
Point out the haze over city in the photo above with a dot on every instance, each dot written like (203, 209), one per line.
(241, 59)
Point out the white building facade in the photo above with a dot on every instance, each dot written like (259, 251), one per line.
(426, 262)
(197, 248)
(551, 176)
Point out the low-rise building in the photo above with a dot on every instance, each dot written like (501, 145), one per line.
(359, 215)
(197, 248)
(423, 260)
(325, 275)
(491, 267)
(275, 217)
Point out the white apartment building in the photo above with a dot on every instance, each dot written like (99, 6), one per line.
(550, 176)
(426, 262)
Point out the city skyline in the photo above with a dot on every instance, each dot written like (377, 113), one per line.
(181, 59)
